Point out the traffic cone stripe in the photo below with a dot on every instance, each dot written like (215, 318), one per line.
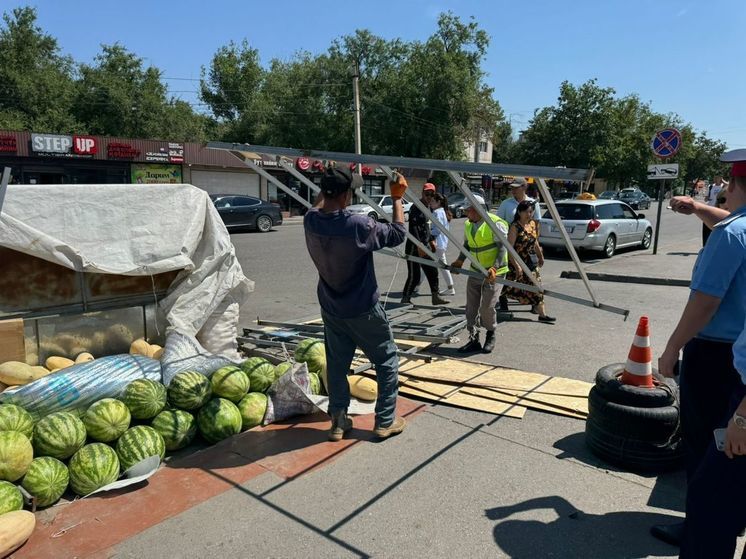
(641, 341)
(639, 368)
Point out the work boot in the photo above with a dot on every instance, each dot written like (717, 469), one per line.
(406, 300)
(471, 346)
(503, 304)
(396, 427)
(489, 342)
(672, 534)
(340, 425)
(438, 300)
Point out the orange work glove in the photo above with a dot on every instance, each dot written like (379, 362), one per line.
(398, 186)
(491, 275)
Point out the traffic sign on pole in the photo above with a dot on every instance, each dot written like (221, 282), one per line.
(663, 171)
(666, 143)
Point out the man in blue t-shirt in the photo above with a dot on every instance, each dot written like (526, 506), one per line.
(341, 246)
(710, 324)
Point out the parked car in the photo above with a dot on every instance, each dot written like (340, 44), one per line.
(383, 200)
(456, 203)
(246, 211)
(603, 225)
(636, 198)
(609, 195)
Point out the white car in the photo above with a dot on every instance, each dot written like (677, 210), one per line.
(383, 200)
(603, 225)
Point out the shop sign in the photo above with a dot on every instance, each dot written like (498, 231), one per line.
(119, 150)
(8, 144)
(160, 156)
(156, 174)
(57, 145)
(303, 163)
(175, 153)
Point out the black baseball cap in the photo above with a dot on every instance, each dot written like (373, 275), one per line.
(337, 180)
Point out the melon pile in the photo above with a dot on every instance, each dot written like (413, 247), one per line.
(88, 450)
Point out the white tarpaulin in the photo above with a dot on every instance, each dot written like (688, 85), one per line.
(134, 230)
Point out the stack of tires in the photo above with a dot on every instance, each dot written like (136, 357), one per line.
(633, 427)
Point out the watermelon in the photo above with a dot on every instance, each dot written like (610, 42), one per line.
(92, 467)
(59, 435)
(138, 443)
(15, 418)
(177, 427)
(218, 420)
(315, 383)
(46, 479)
(282, 368)
(10, 497)
(189, 390)
(230, 383)
(261, 373)
(311, 351)
(106, 420)
(252, 407)
(144, 398)
(16, 455)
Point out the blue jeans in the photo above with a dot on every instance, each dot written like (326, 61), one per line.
(370, 332)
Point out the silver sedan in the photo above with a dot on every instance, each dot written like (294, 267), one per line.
(602, 225)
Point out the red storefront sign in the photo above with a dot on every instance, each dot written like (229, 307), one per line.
(8, 144)
(119, 150)
(303, 163)
(85, 145)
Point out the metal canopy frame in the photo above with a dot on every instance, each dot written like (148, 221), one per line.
(452, 168)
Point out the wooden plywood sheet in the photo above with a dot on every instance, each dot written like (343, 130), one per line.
(467, 401)
(521, 401)
(12, 344)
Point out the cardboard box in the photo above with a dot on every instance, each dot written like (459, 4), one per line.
(12, 347)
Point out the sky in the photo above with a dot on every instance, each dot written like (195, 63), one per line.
(685, 56)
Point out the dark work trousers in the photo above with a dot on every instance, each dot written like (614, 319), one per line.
(705, 234)
(715, 510)
(708, 380)
(414, 270)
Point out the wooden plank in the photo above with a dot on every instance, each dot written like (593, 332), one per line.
(570, 403)
(489, 376)
(12, 345)
(490, 393)
(467, 401)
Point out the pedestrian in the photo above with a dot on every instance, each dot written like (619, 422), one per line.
(524, 237)
(341, 246)
(709, 325)
(711, 197)
(482, 294)
(419, 228)
(443, 215)
(506, 211)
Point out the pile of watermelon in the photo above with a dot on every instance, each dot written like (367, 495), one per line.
(88, 450)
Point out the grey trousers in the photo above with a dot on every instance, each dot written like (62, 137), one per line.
(481, 298)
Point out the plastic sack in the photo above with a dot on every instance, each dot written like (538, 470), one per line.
(184, 353)
(78, 386)
(289, 395)
(220, 332)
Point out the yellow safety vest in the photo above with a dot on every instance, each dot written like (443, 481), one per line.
(482, 245)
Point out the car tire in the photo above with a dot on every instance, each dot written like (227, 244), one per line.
(373, 216)
(609, 385)
(263, 223)
(633, 454)
(609, 246)
(647, 238)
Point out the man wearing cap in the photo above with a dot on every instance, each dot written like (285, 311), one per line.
(710, 324)
(506, 212)
(482, 293)
(419, 227)
(341, 246)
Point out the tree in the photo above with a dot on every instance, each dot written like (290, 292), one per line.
(36, 81)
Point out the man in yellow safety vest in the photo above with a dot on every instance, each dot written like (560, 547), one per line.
(482, 294)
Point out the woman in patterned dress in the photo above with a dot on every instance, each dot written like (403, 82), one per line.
(524, 236)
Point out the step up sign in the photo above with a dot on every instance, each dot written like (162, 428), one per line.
(665, 171)
(58, 145)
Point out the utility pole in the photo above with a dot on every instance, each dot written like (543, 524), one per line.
(356, 94)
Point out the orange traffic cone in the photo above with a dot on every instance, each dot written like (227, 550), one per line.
(639, 368)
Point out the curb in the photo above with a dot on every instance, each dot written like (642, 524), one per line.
(595, 276)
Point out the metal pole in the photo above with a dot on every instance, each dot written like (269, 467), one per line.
(356, 93)
(249, 163)
(565, 237)
(418, 203)
(461, 183)
(4, 185)
(661, 190)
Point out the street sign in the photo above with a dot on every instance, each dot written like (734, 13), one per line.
(666, 142)
(665, 171)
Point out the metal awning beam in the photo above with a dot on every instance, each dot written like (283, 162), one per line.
(560, 173)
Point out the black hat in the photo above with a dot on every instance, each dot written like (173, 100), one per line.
(337, 180)
(525, 205)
